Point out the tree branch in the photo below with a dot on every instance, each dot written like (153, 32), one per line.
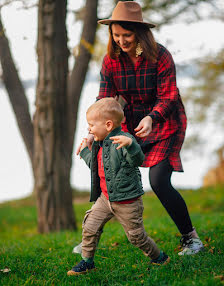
(80, 68)
(16, 92)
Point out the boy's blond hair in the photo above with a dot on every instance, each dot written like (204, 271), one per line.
(107, 109)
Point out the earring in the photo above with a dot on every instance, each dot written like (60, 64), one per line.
(117, 51)
(139, 50)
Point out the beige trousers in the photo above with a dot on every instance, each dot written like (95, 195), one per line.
(130, 217)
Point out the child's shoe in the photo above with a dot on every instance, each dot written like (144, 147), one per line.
(161, 260)
(81, 268)
(77, 249)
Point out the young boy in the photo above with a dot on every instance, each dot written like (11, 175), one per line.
(116, 184)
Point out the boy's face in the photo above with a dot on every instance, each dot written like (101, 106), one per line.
(99, 128)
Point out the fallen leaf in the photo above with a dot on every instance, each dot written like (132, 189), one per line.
(101, 256)
(141, 275)
(114, 244)
(221, 277)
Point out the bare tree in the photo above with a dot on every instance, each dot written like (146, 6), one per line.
(49, 138)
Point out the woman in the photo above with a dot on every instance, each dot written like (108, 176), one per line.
(141, 73)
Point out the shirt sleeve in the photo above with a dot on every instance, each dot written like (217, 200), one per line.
(167, 91)
(107, 87)
(86, 155)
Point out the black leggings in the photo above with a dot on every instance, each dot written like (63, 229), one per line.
(159, 177)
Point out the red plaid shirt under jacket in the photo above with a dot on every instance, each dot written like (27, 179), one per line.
(149, 89)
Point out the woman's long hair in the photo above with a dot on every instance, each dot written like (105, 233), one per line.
(143, 35)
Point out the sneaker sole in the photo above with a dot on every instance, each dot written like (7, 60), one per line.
(76, 250)
(183, 253)
(164, 263)
(73, 273)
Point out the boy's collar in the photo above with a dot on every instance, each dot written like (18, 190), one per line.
(113, 132)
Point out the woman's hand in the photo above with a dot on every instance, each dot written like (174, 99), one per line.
(144, 127)
(122, 140)
(86, 142)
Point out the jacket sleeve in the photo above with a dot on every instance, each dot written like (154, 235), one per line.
(107, 87)
(86, 155)
(133, 153)
(167, 91)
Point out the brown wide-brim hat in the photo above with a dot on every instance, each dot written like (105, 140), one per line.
(128, 11)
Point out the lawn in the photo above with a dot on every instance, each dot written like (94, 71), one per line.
(35, 259)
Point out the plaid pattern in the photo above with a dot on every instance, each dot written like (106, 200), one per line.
(149, 89)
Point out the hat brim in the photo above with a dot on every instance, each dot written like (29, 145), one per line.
(109, 21)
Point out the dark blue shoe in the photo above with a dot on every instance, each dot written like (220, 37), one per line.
(81, 268)
(161, 260)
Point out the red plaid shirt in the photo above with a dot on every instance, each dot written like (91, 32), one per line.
(149, 89)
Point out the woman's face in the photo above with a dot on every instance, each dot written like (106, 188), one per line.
(125, 39)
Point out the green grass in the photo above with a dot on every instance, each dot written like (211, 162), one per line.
(36, 259)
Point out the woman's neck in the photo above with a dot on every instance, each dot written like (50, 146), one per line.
(133, 58)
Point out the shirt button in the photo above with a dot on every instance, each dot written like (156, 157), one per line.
(105, 156)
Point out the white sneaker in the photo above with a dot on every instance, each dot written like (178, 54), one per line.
(190, 245)
(77, 249)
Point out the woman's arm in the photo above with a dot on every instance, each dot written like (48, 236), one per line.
(107, 87)
(167, 91)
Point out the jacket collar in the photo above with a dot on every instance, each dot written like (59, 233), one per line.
(113, 133)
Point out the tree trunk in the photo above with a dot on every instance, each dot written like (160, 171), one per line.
(51, 157)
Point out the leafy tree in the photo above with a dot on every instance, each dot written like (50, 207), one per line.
(205, 101)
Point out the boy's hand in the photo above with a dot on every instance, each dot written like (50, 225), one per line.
(122, 140)
(82, 146)
(90, 139)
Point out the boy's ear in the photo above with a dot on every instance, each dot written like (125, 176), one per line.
(109, 125)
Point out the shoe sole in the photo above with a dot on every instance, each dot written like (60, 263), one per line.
(73, 273)
(199, 250)
(164, 263)
(76, 252)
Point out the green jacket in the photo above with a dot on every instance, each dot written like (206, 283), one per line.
(123, 178)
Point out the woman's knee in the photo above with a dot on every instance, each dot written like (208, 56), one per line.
(160, 175)
(156, 183)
